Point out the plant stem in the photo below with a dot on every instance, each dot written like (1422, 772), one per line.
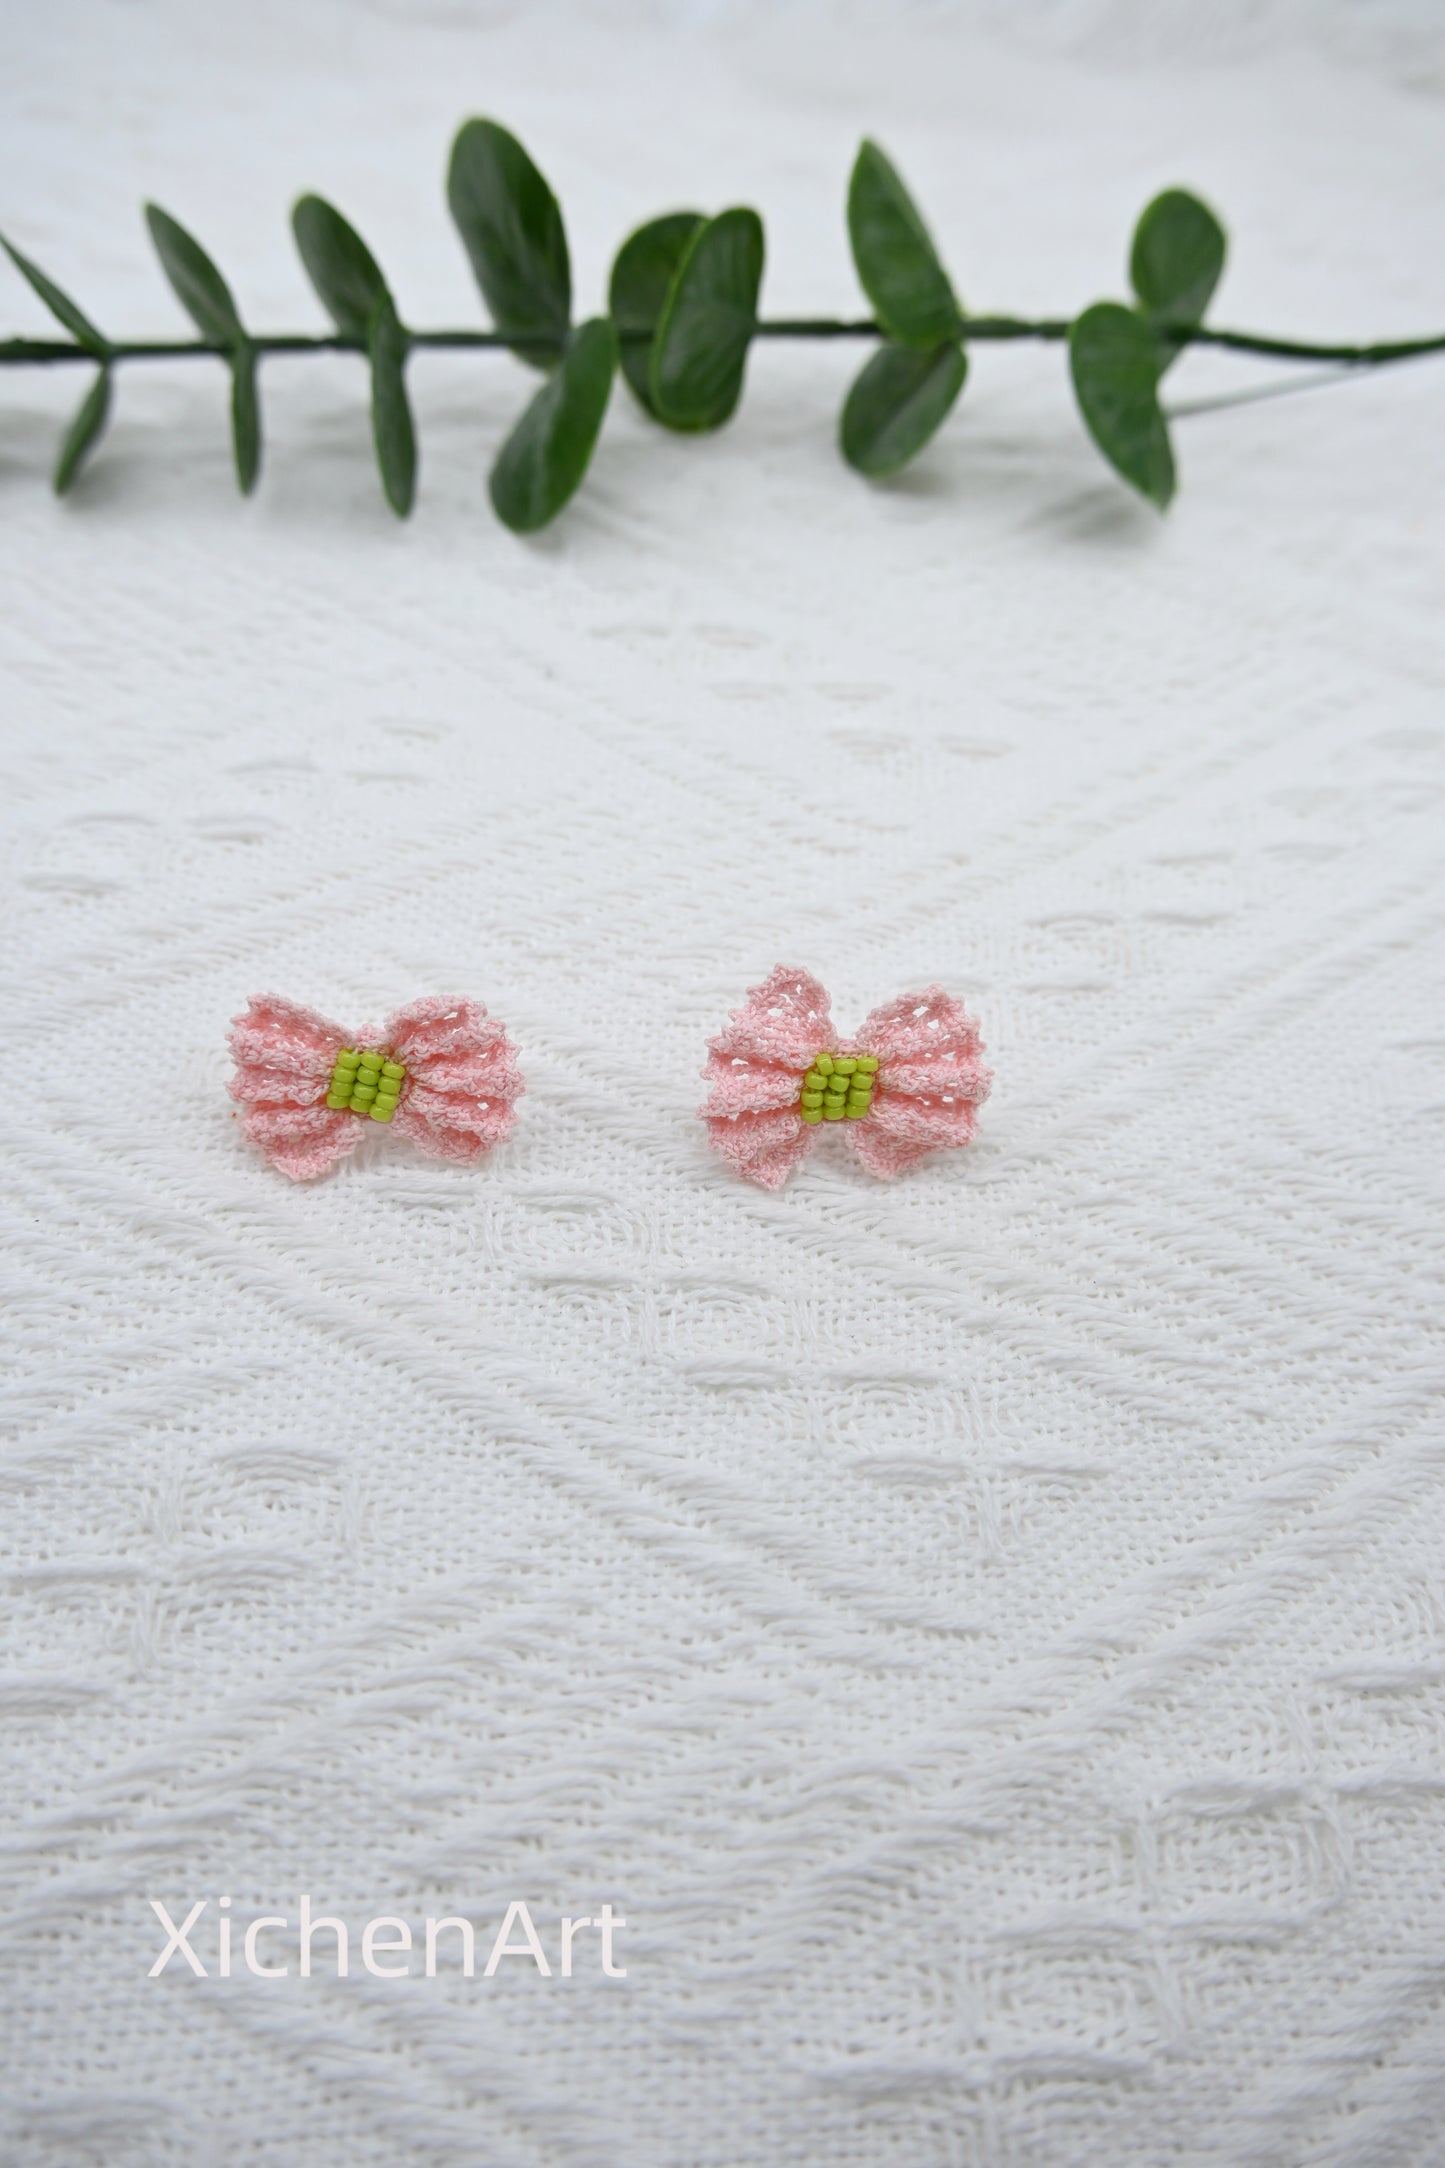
(973, 330)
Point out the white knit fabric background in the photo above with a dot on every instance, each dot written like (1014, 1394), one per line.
(986, 1635)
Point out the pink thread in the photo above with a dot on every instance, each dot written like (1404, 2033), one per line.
(931, 1079)
(462, 1077)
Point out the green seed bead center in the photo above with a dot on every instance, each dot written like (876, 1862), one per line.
(365, 1082)
(838, 1087)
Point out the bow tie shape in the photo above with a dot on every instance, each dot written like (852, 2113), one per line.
(910, 1083)
(441, 1072)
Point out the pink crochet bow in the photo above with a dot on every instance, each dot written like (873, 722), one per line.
(442, 1073)
(910, 1083)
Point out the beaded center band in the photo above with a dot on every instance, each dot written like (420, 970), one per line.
(838, 1087)
(365, 1083)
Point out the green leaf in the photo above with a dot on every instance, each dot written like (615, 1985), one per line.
(897, 401)
(208, 301)
(245, 416)
(84, 432)
(896, 260)
(1116, 363)
(340, 265)
(346, 276)
(641, 278)
(512, 230)
(59, 304)
(1177, 257)
(544, 459)
(391, 422)
(199, 286)
(707, 323)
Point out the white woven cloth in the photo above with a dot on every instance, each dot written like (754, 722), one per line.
(985, 1635)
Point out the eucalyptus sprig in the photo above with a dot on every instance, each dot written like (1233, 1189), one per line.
(682, 318)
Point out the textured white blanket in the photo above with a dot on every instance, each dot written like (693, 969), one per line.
(985, 1636)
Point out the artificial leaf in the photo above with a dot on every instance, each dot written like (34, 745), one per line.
(391, 421)
(1177, 257)
(898, 400)
(340, 265)
(707, 323)
(641, 277)
(208, 301)
(59, 304)
(897, 262)
(511, 227)
(544, 459)
(1116, 363)
(199, 286)
(245, 416)
(83, 432)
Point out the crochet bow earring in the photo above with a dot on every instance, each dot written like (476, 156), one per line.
(440, 1072)
(909, 1083)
